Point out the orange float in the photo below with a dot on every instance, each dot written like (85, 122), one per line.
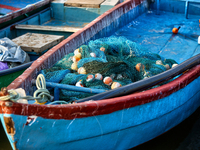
(175, 30)
(107, 80)
(90, 78)
(102, 49)
(76, 58)
(82, 70)
(115, 85)
(139, 66)
(79, 84)
(98, 76)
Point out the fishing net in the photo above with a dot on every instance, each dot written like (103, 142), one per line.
(122, 60)
(54, 74)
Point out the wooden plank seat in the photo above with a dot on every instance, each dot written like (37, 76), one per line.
(48, 28)
(84, 3)
(34, 42)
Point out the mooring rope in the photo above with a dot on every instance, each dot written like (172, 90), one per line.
(41, 95)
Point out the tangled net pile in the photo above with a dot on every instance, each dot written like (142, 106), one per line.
(105, 63)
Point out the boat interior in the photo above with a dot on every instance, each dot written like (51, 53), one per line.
(56, 21)
(151, 27)
(61, 17)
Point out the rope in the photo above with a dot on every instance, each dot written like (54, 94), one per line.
(41, 95)
(62, 102)
(14, 96)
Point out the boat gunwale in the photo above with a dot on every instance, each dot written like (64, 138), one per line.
(91, 108)
(101, 107)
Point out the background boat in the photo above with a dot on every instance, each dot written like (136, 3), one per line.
(59, 18)
(125, 121)
(13, 11)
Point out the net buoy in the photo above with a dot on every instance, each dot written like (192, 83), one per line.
(107, 80)
(115, 85)
(98, 76)
(175, 30)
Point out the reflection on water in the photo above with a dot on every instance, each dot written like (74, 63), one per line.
(185, 136)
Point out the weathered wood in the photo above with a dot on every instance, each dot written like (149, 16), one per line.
(48, 28)
(33, 42)
(84, 3)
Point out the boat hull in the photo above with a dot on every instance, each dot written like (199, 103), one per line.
(116, 123)
(121, 129)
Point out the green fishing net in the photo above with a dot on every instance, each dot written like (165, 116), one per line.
(116, 57)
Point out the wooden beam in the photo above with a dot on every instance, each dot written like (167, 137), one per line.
(48, 28)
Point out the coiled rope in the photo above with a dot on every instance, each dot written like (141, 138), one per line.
(41, 95)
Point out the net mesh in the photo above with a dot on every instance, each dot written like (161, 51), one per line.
(117, 57)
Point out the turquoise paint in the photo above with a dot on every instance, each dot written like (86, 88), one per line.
(177, 6)
(58, 10)
(119, 23)
(7, 33)
(154, 33)
(33, 21)
(44, 17)
(77, 14)
(57, 15)
(119, 130)
(105, 8)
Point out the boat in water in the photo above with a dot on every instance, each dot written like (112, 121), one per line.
(56, 20)
(120, 118)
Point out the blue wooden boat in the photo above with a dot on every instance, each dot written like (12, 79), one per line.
(12, 11)
(43, 17)
(127, 116)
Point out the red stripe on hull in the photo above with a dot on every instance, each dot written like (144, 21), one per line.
(92, 108)
(9, 7)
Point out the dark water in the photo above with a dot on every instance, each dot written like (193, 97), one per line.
(4, 143)
(185, 136)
